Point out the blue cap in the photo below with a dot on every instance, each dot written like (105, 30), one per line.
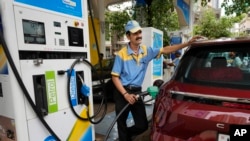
(132, 26)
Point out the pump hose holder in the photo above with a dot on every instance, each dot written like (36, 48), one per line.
(85, 92)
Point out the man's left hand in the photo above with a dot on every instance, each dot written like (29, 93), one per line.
(195, 38)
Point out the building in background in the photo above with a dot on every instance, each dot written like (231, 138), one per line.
(244, 25)
(213, 4)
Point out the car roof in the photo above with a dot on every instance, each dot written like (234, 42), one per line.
(221, 41)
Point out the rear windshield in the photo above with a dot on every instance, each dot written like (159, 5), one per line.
(219, 65)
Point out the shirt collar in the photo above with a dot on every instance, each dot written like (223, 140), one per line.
(130, 51)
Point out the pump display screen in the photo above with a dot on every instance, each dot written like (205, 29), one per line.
(34, 32)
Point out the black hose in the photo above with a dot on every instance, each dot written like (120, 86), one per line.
(94, 30)
(25, 91)
(114, 121)
(89, 118)
(124, 108)
(101, 78)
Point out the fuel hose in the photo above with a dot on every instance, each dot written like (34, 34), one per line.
(88, 118)
(119, 114)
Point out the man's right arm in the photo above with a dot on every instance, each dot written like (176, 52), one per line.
(131, 98)
(117, 82)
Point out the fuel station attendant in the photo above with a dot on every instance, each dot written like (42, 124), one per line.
(128, 74)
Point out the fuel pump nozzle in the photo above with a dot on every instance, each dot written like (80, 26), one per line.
(152, 91)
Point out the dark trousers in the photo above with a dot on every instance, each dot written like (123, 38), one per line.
(138, 113)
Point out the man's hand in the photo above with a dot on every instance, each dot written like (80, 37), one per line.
(171, 64)
(195, 38)
(131, 98)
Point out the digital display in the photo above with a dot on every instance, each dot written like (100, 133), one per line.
(34, 32)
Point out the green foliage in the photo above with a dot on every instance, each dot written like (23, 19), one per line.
(235, 6)
(117, 20)
(164, 18)
(237, 19)
(158, 14)
(211, 27)
(203, 2)
(238, 7)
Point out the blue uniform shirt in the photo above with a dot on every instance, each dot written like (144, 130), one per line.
(131, 68)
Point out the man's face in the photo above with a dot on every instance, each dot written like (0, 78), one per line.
(231, 54)
(135, 38)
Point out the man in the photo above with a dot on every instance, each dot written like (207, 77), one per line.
(176, 61)
(236, 61)
(128, 74)
(101, 56)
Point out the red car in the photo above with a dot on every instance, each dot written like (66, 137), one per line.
(207, 95)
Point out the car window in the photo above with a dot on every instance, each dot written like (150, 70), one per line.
(215, 65)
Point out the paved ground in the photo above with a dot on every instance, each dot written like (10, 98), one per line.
(110, 108)
(99, 137)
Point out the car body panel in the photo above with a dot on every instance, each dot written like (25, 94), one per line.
(189, 108)
(187, 116)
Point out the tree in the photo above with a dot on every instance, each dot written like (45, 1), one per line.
(116, 21)
(165, 18)
(158, 14)
(211, 27)
(237, 6)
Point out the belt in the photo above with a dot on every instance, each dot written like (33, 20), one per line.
(132, 88)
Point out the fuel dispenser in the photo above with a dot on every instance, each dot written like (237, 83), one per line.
(44, 38)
